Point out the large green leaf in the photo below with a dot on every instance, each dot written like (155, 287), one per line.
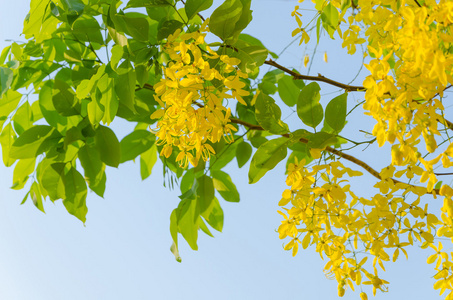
(195, 6)
(230, 18)
(336, 112)
(147, 161)
(75, 194)
(52, 180)
(9, 102)
(108, 146)
(167, 27)
(287, 90)
(64, 100)
(268, 114)
(6, 78)
(243, 153)
(267, 157)
(109, 98)
(205, 193)
(214, 215)
(22, 170)
(186, 217)
(87, 29)
(321, 139)
(149, 3)
(23, 118)
(94, 168)
(308, 108)
(36, 197)
(34, 141)
(135, 144)
(225, 186)
(137, 25)
(7, 138)
(125, 86)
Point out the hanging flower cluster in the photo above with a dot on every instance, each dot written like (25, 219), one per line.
(196, 81)
(410, 44)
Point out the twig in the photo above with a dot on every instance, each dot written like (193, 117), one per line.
(336, 152)
(349, 88)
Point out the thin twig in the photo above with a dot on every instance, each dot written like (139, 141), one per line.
(349, 88)
(336, 152)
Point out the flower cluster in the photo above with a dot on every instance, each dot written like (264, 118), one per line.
(196, 81)
(348, 229)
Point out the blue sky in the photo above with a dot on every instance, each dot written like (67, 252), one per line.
(123, 251)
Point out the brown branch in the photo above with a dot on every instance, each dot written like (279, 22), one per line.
(349, 88)
(336, 152)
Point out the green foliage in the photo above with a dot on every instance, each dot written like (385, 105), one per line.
(90, 62)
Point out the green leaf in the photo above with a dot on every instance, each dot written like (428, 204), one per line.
(6, 78)
(22, 119)
(87, 29)
(267, 157)
(34, 141)
(268, 114)
(73, 6)
(48, 110)
(147, 161)
(186, 217)
(174, 235)
(64, 100)
(336, 112)
(135, 144)
(148, 3)
(288, 91)
(214, 215)
(9, 102)
(36, 197)
(52, 180)
(243, 153)
(229, 19)
(94, 168)
(203, 227)
(137, 25)
(22, 170)
(269, 80)
(321, 139)
(167, 27)
(308, 108)
(109, 98)
(195, 6)
(205, 193)
(108, 146)
(224, 185)
(125, 86)
(7, 138)
(75, 194)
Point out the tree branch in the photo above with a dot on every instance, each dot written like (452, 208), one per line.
(336, 152)
(349, 88)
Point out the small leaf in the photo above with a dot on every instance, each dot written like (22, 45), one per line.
(321, 139)
(168, 27)
(308, 108)
(214, 215)
(267, 157)
(268, 114)
(34, 141)
(243, 153)
(287, 90)
(90, 160)
(336, 112)
(195, 6)
(108, 146)
(225, 187)
(205, 192)
(147, 161)
(75, 194)
(135, 144)
(52, 180)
